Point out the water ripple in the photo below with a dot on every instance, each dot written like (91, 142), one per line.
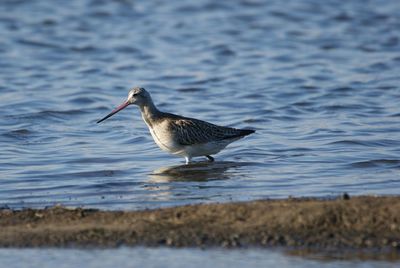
(319, 83)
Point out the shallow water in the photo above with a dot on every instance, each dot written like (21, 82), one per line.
(318, 80)
(159, 257)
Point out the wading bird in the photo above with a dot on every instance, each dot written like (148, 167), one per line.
(178, 135)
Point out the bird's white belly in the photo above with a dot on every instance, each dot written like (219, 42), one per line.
(208, 148)
(167, 143)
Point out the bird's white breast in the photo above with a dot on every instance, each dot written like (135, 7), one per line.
(163, 138)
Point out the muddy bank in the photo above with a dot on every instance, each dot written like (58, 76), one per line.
(359, 222)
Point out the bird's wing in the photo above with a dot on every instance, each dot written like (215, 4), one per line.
(190, 131)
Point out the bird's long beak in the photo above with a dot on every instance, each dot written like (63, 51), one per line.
(116, 110)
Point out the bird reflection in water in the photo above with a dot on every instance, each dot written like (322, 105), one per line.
(201, 171)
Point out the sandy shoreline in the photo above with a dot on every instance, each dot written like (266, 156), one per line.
(358, 223)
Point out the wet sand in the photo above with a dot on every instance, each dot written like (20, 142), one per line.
(344, 223)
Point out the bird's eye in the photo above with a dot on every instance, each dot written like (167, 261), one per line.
(134, 94)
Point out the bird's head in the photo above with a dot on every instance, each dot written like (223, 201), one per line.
(137, 95)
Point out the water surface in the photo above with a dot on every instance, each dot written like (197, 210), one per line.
(318, 80)
(159, 257)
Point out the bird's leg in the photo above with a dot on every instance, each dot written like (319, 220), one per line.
(210, 158)
(188, 159)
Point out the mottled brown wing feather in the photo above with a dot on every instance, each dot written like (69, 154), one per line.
(192, 131)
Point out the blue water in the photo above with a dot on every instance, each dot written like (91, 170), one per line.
(318, 80)
(164, 257)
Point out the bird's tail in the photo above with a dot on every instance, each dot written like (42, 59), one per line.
(240, 134)
(245, 132)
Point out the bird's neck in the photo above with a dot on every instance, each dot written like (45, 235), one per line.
(150, 113)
